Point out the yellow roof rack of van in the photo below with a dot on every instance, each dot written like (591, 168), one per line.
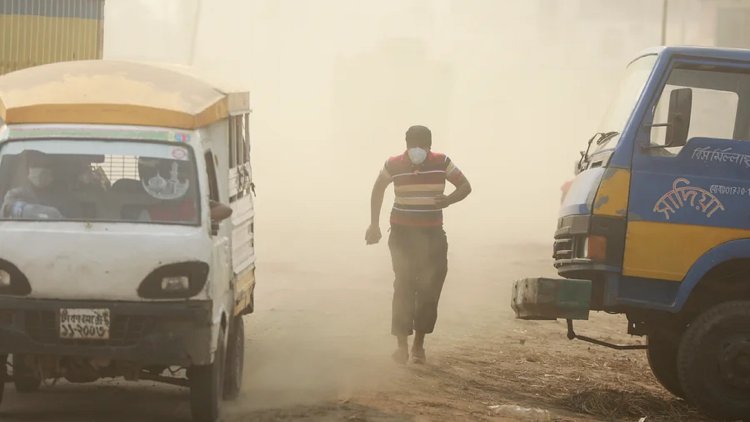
(114, 92)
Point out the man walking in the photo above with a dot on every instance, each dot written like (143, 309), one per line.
(418, 244)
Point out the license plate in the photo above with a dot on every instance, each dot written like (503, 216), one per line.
(84, 324)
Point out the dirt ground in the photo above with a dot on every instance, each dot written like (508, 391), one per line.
(318, 348)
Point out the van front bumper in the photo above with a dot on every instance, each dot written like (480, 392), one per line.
(150, 333)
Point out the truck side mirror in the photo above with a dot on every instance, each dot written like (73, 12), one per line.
(678, 120)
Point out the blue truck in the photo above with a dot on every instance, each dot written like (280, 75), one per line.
(656, 225)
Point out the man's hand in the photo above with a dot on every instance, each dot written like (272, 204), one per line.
(373, 234)
(442, 201)
(461, 192)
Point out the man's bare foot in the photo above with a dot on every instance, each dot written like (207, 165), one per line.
(418, 356)
(401, 355)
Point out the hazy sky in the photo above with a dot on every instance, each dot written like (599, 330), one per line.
(511, 88)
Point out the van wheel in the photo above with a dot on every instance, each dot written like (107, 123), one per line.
(25, 378)
(662, 358)
(713, 362)
(206, 385)
(235, 359)
(3, 375)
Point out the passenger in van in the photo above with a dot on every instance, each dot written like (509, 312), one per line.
(163, 181)
(45, 197)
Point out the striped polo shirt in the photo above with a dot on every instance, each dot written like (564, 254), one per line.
(416, 188)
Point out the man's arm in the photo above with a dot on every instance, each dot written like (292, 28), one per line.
(462, 191)
(457, 178)
(373, 234)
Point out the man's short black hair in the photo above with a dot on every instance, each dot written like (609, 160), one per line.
(419, 136)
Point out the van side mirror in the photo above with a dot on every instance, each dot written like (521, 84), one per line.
(219, 211)
(678, 120)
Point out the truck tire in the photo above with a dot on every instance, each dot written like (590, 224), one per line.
(25, 378)
(662, 358)
(713, 362)
(235, 363)
(206, 385)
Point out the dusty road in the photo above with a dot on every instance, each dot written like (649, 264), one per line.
(318, 348)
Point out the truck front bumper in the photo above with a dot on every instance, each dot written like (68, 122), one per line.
(551, 298)
(150, 333)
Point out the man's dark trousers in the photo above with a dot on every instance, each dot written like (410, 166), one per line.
(420, 262)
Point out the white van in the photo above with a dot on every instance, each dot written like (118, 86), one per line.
(126, 228)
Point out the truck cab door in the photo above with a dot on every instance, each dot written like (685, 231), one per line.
(690, 182)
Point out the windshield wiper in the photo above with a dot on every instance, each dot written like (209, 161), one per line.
(600, 138)
(606, 136)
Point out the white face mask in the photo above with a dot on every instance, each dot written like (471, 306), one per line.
(417, 155)
(40, 177)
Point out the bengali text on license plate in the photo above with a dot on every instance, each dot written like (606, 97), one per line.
(84, 323)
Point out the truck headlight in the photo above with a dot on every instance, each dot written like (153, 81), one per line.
(595, 248)
(4, 279)
(174, 284)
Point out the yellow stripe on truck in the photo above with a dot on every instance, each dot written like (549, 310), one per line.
(667, 251)
(612, 197)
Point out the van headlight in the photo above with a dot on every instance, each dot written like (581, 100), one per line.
(175, 281)
(12, 281)
(4, 279)
(175, 284)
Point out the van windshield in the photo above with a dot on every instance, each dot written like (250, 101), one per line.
(98, 181)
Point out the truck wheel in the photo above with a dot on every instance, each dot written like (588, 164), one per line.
(206, 385)
(713, 362)
(235, 359)
(25, 378)
(662, 358)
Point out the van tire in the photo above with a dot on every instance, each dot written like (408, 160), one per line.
(24, 377)
(713, 362)
(235, 363)
(3, 375)
(207, 385)
(662, 352)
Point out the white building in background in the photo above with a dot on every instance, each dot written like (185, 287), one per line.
(724, 23)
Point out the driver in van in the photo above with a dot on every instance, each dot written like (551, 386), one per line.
(42, 199)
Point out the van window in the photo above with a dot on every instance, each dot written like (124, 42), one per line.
(213, 185)
(240, 183)
(239, 142)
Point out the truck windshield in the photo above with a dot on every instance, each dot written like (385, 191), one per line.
(623, 103)
(98, 181)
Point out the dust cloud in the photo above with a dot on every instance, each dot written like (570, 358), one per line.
(511, 90)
